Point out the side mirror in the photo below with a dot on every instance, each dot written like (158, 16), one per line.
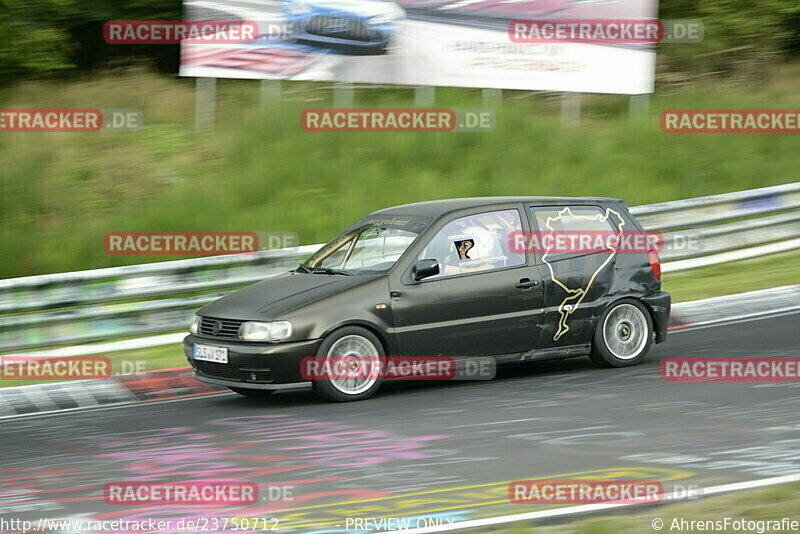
(425, 268)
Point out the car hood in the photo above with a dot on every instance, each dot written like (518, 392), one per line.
(273, 297)
(364, 8)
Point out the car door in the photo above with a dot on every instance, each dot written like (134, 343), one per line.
(575, 280)
(486, 300)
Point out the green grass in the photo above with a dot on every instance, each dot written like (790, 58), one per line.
(769, 504)
(60, 193)
(127, 362)
(735, 277)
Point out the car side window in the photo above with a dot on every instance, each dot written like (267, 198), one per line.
(475, 243)
(576, 220)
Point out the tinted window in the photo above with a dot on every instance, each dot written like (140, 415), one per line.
(576, 220)
(373, 244)
(475, 243)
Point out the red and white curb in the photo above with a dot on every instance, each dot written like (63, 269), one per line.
(165, 384)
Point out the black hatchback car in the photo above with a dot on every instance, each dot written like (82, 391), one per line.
(510, 278)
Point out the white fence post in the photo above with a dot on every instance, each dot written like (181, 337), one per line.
(424, 96)
(270, 93)
(571, 109)
(343, 95)
(638, 105)
(205, 102)
(492, 97)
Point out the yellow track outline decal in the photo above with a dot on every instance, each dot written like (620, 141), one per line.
(576, 296)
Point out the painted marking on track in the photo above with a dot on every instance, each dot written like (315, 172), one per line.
(586, 508)
(450, 500)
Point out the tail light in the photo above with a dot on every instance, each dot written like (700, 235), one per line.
(655, 263)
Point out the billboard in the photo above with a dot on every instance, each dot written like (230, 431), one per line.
(463, 43)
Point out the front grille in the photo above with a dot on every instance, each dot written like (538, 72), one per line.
(342, 27)
(210, 326)
(219, 370)
(233, 372)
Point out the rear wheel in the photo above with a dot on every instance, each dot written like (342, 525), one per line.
(623, 334)
(245, 392)
(354, 356)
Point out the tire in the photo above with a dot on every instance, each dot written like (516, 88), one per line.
(623, 334)
(357, 346)
(254, 393)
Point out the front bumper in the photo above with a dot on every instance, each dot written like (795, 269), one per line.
(659, 305)
(230, 383)
(252, 365)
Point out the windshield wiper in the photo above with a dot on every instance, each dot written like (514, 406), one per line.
(328, 270)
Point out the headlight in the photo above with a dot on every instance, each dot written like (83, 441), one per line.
(298, 8)
(194, 326)
(271, 331)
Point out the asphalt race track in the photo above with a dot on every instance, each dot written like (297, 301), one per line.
(432, 450)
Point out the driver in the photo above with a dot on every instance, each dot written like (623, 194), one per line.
(473, 251)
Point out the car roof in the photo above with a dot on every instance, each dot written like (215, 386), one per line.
(434, 208)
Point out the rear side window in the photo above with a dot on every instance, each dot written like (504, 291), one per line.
(575, 222)
(475, 244)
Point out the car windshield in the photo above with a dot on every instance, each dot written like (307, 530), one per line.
(371, 245)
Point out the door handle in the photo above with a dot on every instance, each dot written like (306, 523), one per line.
(526, 283)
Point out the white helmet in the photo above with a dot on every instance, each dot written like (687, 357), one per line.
(484, 245)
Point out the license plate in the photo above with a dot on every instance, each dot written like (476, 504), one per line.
(209, 353)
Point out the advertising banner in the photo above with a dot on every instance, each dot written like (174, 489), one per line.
(601, 46)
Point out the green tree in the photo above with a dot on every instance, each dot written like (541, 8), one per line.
(741, 36)
(35, 40)
(42, 37)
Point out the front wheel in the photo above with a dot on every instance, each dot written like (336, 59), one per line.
(623, 335)
(353, 357)
(257, 393)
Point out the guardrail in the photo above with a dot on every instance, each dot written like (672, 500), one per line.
(84, 306)
(695, 212)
